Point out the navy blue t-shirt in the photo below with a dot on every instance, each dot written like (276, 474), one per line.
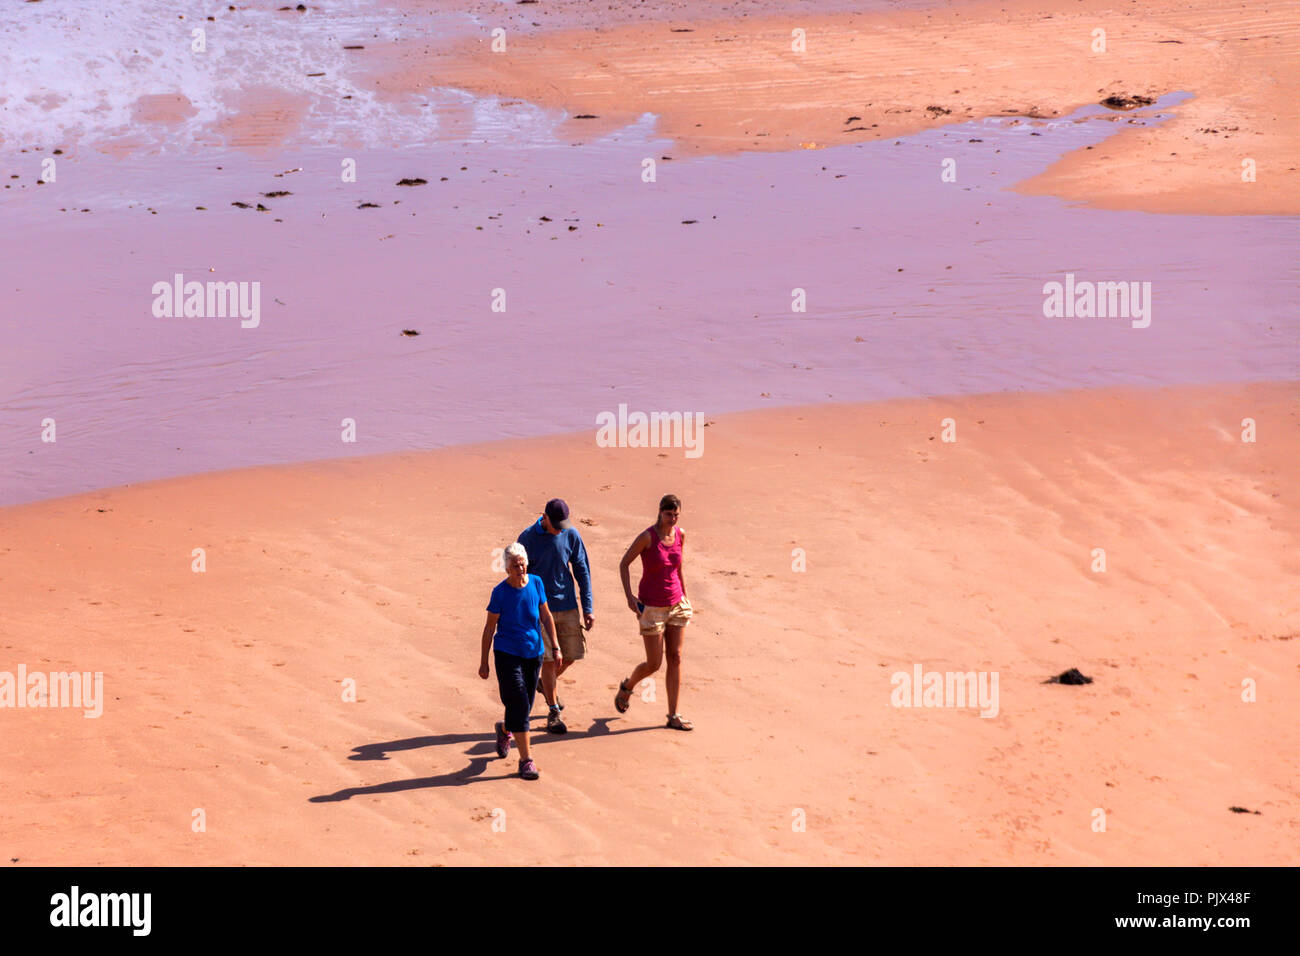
(518, 627)
(549, 557)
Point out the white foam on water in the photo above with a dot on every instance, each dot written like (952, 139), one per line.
(74, 71)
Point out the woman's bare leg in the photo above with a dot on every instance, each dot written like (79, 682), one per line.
(654, 657)
(674, 638)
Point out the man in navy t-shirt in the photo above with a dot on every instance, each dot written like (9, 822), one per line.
(554, 546)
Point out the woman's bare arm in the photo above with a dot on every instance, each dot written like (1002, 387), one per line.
(641, 542)
(681, 568)
(548, 627)
(489, 629)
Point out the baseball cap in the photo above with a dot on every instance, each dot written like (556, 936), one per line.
(558, 513)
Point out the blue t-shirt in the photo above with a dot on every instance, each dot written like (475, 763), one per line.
(518, 630)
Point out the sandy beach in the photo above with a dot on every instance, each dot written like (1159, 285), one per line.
(272, 534)
(223, 689)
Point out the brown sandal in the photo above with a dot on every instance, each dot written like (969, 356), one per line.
(623, 699)
(678, 722)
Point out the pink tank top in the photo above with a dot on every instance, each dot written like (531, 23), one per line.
(661, 580)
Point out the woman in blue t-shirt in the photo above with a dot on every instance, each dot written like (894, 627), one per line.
(514, 612)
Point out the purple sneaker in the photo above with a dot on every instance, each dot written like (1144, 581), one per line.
(528, 770)
(504, 739)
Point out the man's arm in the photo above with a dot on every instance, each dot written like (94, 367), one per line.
(582, 574)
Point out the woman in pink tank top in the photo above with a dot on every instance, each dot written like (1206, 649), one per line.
(661, 606)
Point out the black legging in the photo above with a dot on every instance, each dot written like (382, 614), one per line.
(517, 679)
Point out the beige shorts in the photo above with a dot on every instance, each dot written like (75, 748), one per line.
(655, 619)
(573, 639)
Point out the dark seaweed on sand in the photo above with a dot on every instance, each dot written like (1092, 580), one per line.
(1072, 676)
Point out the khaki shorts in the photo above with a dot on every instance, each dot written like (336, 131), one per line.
(573, 639)
(655, 619)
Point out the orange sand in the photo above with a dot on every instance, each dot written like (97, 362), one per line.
(224, 688)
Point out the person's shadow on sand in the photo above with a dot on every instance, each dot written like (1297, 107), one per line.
(482, 752)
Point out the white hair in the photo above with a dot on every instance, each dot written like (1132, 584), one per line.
(515, 550)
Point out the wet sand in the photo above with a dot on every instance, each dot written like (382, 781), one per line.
(910, 286)
(731, 83)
